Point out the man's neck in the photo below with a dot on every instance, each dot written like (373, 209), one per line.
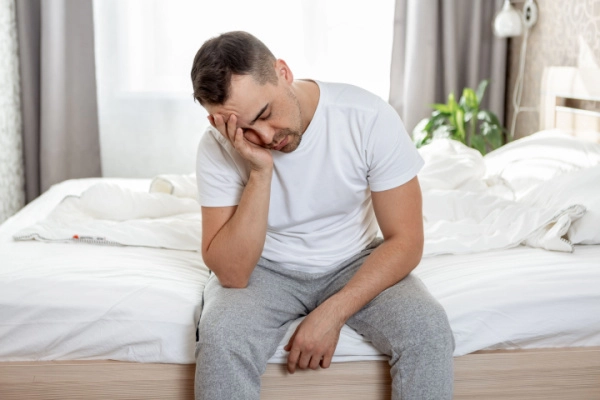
(308, 94)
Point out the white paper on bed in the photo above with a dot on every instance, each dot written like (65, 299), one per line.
(112, 215)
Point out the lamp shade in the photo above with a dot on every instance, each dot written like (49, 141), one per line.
(508, 22)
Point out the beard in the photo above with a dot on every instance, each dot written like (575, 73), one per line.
(294, 134)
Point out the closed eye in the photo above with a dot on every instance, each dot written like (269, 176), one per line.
(261, 118)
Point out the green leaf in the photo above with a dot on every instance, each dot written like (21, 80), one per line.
(481, 90)
(420, 127)
(478, 142)
(436, 120)
(488, 116)
(494, 138)
(420, 135)
(443, 132)
(470, 99)
(443, 108)
(460, 125)
(452, 103)
(429, 124)
(462, 121)
(492, 134)
(468, 116)
(421, 138)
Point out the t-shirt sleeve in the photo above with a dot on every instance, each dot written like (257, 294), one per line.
(220, 172)
(392, 158)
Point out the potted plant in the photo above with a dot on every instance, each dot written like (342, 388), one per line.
(463, 121)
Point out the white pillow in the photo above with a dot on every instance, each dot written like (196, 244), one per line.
(532, 160)
(580, 187)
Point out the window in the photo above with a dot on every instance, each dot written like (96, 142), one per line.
(149, 123)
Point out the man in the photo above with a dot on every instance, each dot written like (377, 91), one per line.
(294, 178)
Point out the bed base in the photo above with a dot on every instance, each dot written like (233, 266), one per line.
(547, 374)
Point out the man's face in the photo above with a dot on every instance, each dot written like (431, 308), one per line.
(268, 114)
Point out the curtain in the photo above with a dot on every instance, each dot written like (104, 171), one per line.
(442, 46)
(12, 194)
(58, 90)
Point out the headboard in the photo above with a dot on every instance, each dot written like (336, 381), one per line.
(564, 89)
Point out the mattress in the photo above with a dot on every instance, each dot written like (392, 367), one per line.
(63, 301)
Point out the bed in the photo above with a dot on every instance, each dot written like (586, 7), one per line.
(115, 317)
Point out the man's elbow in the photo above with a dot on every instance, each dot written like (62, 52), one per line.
(235, 283)
(417, 251)
(410, 249)
(419, 244)
(230, 278)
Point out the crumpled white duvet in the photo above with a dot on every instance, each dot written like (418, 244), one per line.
(112, 215)
(465, 209)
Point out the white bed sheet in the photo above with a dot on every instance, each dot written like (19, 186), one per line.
(80, 301)
(520, 298)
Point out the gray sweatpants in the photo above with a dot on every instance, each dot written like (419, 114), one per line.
(240, 330)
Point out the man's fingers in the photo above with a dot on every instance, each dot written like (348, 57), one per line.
(304, 360)
(293, 360)
(315, 361)
(219, 123)
(326, 361)
(238, 140)
(288, 346)
(232, 127)
(227, 127)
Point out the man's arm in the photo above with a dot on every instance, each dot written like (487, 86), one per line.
(233, 237)
(399, 214)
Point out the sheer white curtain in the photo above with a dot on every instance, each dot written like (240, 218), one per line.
(149, 123)
(12, 188)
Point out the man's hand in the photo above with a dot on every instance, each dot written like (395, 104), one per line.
(260, 159)
(315, 340)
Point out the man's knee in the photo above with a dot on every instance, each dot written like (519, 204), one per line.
(222, 321)
(423, 321)
(430, 330)
(438, 331)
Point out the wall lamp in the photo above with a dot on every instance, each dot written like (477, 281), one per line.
(510, 22)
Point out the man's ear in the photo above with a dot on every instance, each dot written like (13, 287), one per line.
(282, 70)
(211, 119)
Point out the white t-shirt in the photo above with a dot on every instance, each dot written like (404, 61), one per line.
(320, 212)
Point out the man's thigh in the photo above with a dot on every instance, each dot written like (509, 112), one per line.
(262, 310)
(401, 316)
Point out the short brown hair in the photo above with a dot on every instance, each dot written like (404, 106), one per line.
(232, 53)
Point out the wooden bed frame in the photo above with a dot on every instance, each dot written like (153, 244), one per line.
(564, 89)
(569, 373)
(524, 374)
